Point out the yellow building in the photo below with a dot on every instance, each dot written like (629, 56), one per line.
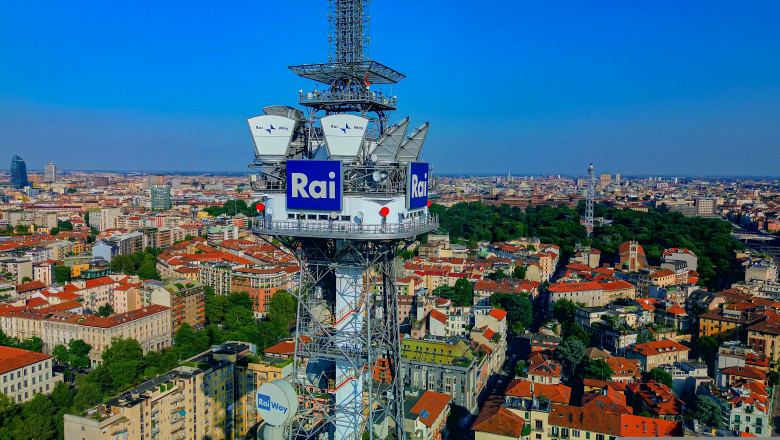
(724, 323)
(211, 395)
(764, 338)
(251, 372)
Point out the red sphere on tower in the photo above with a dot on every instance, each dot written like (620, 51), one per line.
(384, 211)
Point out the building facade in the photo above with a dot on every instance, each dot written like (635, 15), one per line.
(26, 373)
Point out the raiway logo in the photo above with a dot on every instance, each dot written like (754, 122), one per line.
(417, 185)
(264, 403)
(271, 128)
(347, 127)
(314, 185)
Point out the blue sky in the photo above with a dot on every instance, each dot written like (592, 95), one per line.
(663, 87)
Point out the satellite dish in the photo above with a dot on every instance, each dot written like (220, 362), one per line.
(379, 176)
(359, 217)
(334, 215)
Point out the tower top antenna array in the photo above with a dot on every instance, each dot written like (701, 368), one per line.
(349, 72)
(343, 191)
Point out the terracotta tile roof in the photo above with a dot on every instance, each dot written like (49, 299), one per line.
(36, 302)
(646, 303)
(607, 399)
(746, 371)
(13, 358)
(29, 287)
(768, 326)
(432, 402)
(595, 383)
(662, 273)
(97, 282)
(639, 426)
(624, 367)
(657, 347)
(584, 419)
(626, 246)
(498, 313)
(574, 287)
(439, 316)
(495, 419)
(553, 393)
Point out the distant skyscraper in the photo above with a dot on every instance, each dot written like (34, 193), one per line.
(18, 173)
(51, 173)
(161, 197)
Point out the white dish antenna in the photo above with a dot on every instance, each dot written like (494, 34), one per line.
(411, 147)
(386, 149)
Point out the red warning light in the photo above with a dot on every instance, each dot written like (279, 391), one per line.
(384, 211)
(260, 207)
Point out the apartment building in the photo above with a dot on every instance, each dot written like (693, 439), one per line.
(656, 353)
(150, 326)
(261, 284)
(218, 275)
(425, 416)
(186, 301)
(445, 367)
(211, 395)
(26, 373)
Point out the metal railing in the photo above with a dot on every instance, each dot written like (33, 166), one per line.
(323, 97)
(338, 228)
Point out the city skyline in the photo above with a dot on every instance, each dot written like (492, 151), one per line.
(665, 89)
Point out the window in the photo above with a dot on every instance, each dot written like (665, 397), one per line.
(539, 424)
(575, 433)
(599, 436)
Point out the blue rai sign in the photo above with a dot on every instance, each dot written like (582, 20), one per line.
(314, 185)
(417, 185)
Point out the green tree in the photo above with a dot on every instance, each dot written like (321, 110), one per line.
(38, 416)
(61, 354)
(518, 273)
(570, 353)
(61, 274)
(123, 264)
(123, 364)
(281, 308)
(148, 271)
(773, 377)
(65, 225)
(497, 275)
(190, 342)
(563, 310)
(661, 376)
(597, 369)
(518, 307)
(462, 294)
(26, 280)
(88, 394)
(522, 369)
(62, 396)
(78, 351)
(33, 344)
(576, 331)
(708, 412)
(105, 310)
(7, 341)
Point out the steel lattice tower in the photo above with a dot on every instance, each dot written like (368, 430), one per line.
(591, 195)
(347, 364)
